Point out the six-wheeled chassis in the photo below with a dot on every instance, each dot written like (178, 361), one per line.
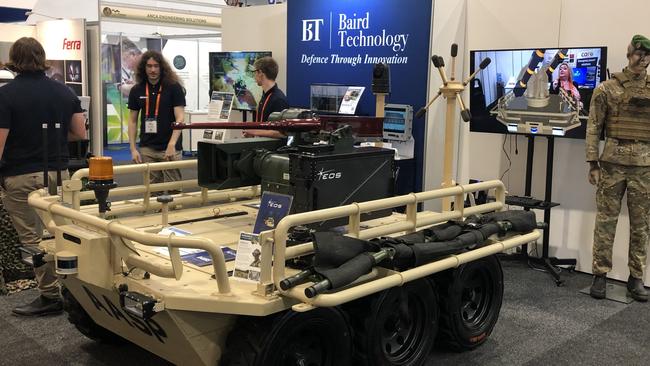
(201, 316)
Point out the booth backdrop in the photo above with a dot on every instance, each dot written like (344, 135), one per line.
(340, 41)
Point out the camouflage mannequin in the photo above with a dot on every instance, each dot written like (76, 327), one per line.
(621, 107)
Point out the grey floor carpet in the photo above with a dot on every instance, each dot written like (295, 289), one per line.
(540, 324)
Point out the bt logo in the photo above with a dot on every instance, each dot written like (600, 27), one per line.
(311, 29)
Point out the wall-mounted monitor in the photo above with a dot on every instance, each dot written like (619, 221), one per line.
(234, 72)
(327, 98)
(581, 70)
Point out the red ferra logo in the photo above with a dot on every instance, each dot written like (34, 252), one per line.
(71, 45)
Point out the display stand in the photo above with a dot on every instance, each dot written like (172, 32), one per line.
(380, 104)
(545, 262)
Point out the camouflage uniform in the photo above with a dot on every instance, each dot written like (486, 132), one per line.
(621, 106)
(11, 267)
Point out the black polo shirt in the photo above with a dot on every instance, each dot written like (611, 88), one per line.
(171, 96)
(26, 103)
(273, 100)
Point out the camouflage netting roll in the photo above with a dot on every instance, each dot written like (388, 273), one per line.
(11, 267)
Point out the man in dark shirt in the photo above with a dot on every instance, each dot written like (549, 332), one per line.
(159, 99)
(273, 99)
(26, 104)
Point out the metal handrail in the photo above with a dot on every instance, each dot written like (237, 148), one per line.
(36, 200)
(73, 194)
(413, 221)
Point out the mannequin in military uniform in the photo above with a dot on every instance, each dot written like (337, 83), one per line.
(621, 107)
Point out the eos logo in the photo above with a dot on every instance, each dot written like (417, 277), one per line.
(71, 45)
(274, 204)
(328, 174)
(311, 29)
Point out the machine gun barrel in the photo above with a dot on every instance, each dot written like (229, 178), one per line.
(359, 268)
(297, 279)
(289, 125)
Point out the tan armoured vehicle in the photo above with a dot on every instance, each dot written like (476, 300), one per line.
(124, 278)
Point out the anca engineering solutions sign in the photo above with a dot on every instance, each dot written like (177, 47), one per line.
(339, 42)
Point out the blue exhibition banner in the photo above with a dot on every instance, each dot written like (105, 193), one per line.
(339, 42)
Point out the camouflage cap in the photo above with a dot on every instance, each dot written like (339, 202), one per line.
(640, 42)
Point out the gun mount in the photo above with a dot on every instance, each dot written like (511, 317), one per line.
(322, 169)
(295, 121)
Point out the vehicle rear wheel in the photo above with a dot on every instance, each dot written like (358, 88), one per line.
(320, 337)
(78, 317)
(397, 326)
(470, 301)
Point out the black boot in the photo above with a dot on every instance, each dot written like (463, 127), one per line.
(636, 290)
(598, 287)
(40, 306)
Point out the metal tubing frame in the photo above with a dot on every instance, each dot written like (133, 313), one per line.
(145, 204)
(274, 241)
(412, 222)
(37, 200)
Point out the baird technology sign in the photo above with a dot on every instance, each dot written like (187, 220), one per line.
(354, 32)
(340, 41)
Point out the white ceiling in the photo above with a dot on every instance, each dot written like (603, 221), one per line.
(22, 4)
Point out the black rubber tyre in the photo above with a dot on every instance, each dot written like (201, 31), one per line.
(320, 337)
(78, 317)
(470, 301)
(397, 326)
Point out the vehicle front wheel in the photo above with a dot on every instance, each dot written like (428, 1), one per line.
(320, 337)
(78, 317)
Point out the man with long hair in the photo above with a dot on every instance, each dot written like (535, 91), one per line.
(160, 100)
(28, 103)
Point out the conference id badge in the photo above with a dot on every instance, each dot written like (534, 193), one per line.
(150, 125)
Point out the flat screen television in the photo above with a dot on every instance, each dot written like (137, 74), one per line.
(587, 67)
(234, 72)
(326, 98)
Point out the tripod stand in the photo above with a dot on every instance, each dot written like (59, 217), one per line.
(450, 89)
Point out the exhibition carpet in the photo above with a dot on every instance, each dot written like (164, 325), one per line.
(120, 153)
(540, 324)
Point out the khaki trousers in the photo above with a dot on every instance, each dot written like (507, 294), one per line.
(150, 155)
(14, 194)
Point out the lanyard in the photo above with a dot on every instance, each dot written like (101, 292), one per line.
(157, 101)
(261, 114)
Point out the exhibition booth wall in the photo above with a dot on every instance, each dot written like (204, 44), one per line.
(278, 29)
(257, 28)
(495, 24)
(65, 45)
(498, 24)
